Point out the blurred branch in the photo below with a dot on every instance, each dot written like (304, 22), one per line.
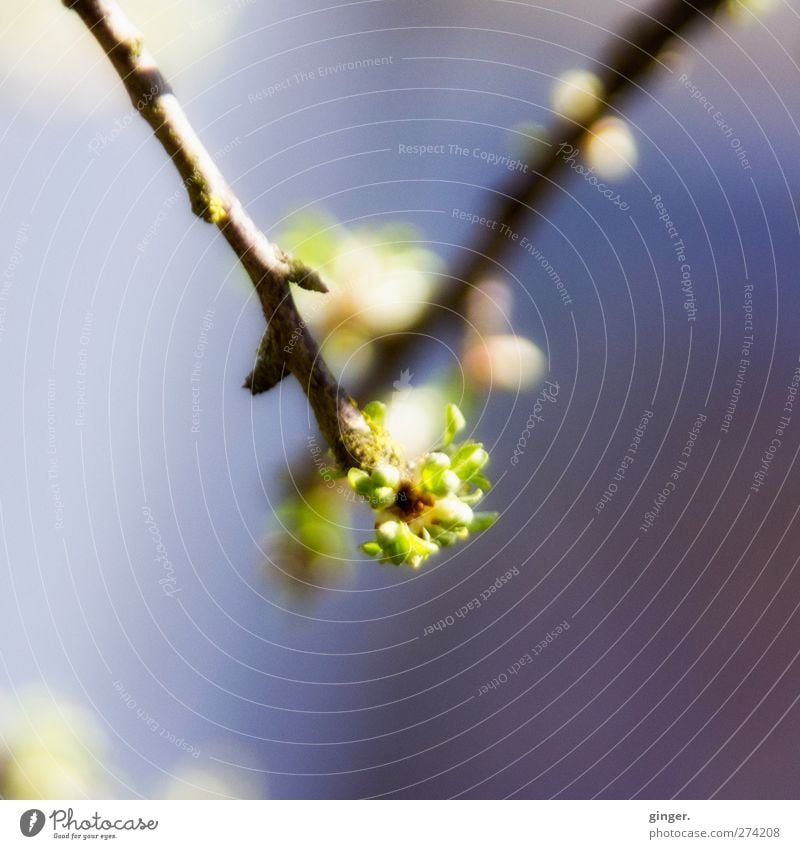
(633, 53)
(287, 346)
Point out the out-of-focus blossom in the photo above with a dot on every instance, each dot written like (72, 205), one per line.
(313, 546)
(178, 33)
(611, 149)
(494, 357)
(50, 750)
(380, 280)
(507, 362)
(489, 307)
(746, 11)
(212, 783)
(412, 418)
(577, 94)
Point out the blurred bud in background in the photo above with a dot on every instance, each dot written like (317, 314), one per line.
(611, 149)
(233, 773)
(50, 749)
(495, 358)
(577, 95)
(179, 33)
(413, 418)
(201, 783)
(674, 59)
(380, 277)
(505, 362)
(489, 308)
(747, 11)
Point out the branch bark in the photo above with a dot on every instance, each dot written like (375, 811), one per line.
(287, 346)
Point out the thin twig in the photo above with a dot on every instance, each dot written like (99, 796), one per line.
(287, 347)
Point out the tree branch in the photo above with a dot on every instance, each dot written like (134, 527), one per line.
(632, 54)
(287, 346)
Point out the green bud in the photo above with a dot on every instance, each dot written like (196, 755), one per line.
(387, 532)
(399, 551)
(360, 481)
(376, 411)
(450, 512)
(451, 481)
(382, 496)
(464, 450)
(437, 460)
(386, 475)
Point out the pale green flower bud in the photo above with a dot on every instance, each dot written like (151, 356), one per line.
(449, 512)
(376, 411)
(437, 460)
(382, 496)
(473, 497)
(387, 532)
(360, 481)
(451, 481)
(399, 551)
(386, 475)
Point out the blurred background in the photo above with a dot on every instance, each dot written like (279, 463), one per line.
(184, 608)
